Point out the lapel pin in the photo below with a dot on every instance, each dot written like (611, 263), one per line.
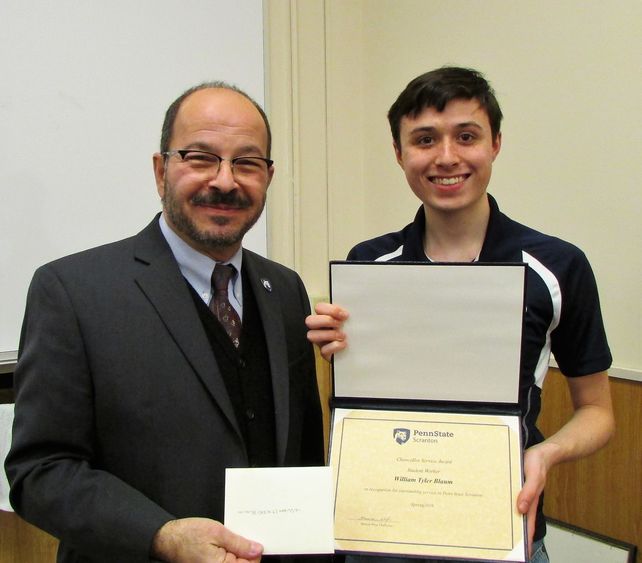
(266, 284)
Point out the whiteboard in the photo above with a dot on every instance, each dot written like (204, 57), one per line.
(85, 86)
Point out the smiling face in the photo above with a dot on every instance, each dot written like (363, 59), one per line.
(447, 156)
(213, 211)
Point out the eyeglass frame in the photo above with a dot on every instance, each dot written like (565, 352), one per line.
(183, 152)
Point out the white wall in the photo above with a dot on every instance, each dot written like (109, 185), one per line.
(84, 89)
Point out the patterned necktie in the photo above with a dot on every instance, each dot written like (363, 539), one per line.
(220, 304)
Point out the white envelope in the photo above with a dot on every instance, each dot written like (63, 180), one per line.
(289, 510)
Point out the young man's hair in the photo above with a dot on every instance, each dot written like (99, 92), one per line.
(172, 112)
(440, 86)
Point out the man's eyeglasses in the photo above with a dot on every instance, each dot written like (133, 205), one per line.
(243, 167)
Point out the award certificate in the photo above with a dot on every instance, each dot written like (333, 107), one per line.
(427, 484)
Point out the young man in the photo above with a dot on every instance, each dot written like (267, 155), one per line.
(446, 135)
(143, 374)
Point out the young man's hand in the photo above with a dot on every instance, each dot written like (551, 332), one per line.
(325, 328)
(535, 471)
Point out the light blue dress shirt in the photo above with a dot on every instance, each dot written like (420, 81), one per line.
(197, 268)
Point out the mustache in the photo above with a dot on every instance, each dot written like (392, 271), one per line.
(217, 197)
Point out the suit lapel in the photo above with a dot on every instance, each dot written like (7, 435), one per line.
(275, 338)
(163, 284)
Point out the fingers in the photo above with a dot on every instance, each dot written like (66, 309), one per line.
(324, 336)
(328, 315)
(527, 501)
(529, 508)
(328, 341)
(223, 556)
(328, 350)
(325, 328)
(528, 498)
(235, 545)
(231, 558)
(332, 310)
(531, 517)
(195, 540)
(322, 331)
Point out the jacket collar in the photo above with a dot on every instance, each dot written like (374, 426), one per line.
(164, 286)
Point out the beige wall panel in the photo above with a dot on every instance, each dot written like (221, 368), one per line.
(347, 192)
(280, 81)
(568, 78)
(311, 156)
(298, 215)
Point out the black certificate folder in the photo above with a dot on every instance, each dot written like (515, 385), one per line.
(425, 440)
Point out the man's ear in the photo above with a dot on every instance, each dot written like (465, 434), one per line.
(270, 176)
(158, 161)
(497, 145)
(397, 150)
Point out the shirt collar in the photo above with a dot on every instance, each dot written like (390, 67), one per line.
(414, 246)
(196, 267)
(494, 236)
(413, 250)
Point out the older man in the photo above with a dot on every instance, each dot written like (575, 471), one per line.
(149, 365)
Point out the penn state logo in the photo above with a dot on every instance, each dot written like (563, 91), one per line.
(266, 284)
(401, 435)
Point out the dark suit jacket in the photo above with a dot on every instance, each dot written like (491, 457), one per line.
(122, 418)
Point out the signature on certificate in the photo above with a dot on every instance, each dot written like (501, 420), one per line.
(371, 521)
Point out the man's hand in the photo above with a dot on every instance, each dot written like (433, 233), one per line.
(325, 328)
(535, 471)
(196, 540)
(589, 429)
